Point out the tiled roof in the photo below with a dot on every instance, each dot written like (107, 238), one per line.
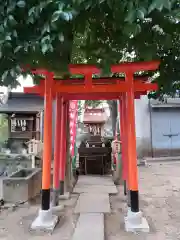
(97, 115)
(20, 102)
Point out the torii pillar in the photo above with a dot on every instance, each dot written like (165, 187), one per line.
(134, 220)
(60, 134)
(57, 148)
(45, 219)
(64, 147)
(123, 122)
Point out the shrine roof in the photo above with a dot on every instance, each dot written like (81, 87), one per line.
(21, 102)
(95, 115)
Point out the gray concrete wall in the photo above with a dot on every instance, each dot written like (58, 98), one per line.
(21, 189)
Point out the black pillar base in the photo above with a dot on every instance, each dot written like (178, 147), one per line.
(134, 200)
(45, 199)
(61, 187)
(125, 190)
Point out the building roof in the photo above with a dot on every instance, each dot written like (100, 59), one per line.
(95, 115)
(23, 102)
(168, 103)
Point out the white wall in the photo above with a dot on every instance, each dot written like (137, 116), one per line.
(143, 126)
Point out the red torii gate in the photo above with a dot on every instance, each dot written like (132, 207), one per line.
(125, 89)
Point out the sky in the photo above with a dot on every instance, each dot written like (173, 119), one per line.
(24, 82)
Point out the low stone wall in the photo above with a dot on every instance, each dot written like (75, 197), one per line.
(9, 165)
(22, 185)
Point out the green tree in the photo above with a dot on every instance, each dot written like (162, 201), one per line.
(52, 33)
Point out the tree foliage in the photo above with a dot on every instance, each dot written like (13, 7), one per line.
(52, 33)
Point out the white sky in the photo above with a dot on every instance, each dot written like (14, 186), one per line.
(25, 82)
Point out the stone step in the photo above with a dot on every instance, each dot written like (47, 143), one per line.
(93, 203)
(90, 226)
(95, 180)
(95, 189)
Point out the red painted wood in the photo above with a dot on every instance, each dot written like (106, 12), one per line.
(58, 144)
(135, 66)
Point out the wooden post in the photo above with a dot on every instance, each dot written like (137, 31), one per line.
(68, 163)
(122, 122)
(61, 180)
(63, 148)
(47, 152)
(131, 143)
(126, 148)
(59, 103)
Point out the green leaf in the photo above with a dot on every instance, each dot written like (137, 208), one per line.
(67, 16)
(17, 49)
(167, 4)
(4, 75)
(159, 5)
(31, 19)
(56, 16)
(12, 20)
(15, 34)
(45, 29)
(131, 16)
(11, 7)
(51, 49)
(140, 14)
(12, 72)
(132, 30)
(44, 48)
(46, 39)
(61, 37)
(31, 11)
(8, 38)
(152, 6)
(143, 9)
(1, 28)
(137, 30)
(21, 4)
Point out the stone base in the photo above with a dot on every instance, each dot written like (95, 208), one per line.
(58, 208)
(65, 196)
(135, 222)
(45, 221)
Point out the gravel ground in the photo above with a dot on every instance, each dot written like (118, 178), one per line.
(159, 201)
(15, 225)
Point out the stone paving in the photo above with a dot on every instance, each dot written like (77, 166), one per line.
(90, 226)
(92, 204)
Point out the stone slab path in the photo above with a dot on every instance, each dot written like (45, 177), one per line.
(92, 203)
(96, 189)
(90, 226)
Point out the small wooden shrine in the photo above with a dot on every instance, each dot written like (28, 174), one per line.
(94, 120)
(24, 114)
(95, 153)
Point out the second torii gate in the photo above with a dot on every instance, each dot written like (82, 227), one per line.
(126, 89)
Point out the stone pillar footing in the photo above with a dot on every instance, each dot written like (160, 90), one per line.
(135, 222)
(65, 196)
(45, 221)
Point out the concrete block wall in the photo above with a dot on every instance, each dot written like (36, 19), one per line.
(143, 127)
